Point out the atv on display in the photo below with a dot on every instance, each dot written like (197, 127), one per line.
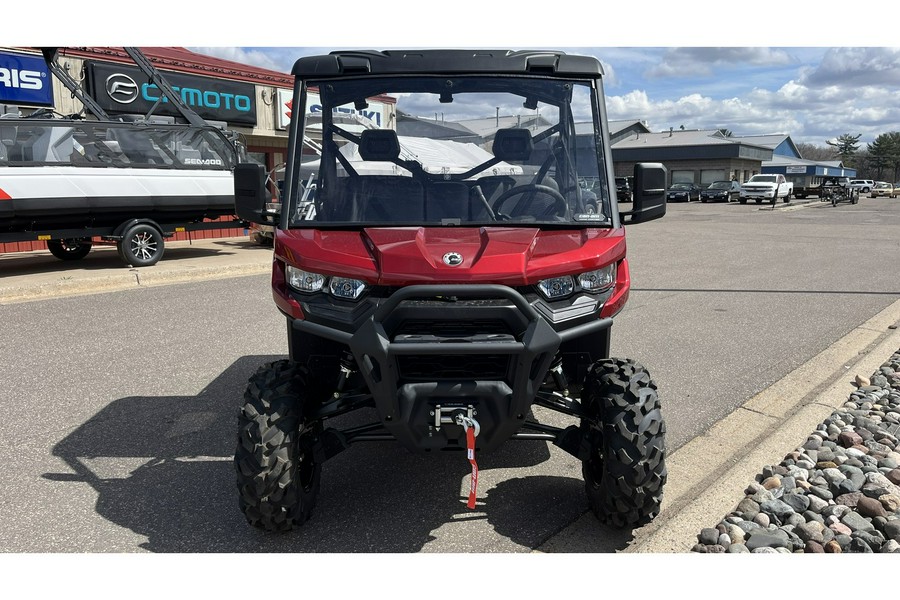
(450, 272)
(837, 189)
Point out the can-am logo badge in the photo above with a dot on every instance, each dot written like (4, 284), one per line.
(122, 88)
(453, 259)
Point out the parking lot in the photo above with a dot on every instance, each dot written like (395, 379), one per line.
(121, 405)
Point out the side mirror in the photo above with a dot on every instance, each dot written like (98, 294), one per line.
(649, 200)
(251, 194)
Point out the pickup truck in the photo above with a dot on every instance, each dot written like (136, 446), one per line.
(766, 187)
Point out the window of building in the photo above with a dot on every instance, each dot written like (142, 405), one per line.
(682, 177)
(709, 175)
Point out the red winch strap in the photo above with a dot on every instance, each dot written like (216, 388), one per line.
(470, 451)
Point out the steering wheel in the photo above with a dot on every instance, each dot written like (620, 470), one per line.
(560, 206)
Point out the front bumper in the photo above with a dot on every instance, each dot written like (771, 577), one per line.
(758, 194)
(415, 376)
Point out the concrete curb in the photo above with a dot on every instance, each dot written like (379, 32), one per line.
(41, 277)
(762, 432)
(708, 475)
(133, 278)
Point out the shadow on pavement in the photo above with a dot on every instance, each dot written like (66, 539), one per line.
(162, 468)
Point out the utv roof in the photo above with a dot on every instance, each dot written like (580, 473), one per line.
(445, 62)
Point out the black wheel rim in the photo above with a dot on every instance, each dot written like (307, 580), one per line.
(144, 246)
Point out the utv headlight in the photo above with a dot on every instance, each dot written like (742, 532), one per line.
(349, 289)
(304, 281)
(599, 280)
(557, 287)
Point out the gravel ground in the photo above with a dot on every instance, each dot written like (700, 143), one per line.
(837, 493)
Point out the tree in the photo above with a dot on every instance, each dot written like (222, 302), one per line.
(884, 154)
(845, 147)
(815, 152)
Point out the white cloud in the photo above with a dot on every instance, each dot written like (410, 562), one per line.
(701, 61)
(856, 66)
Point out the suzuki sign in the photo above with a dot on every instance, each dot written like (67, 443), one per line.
(25, 79)
(375, 114)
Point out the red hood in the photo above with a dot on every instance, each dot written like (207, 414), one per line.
(407, 255)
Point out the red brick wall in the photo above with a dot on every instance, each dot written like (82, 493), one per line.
(7, 247)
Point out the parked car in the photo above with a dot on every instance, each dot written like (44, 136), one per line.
(863, 185)
(683, 192)
(883, 188)
(724, 191)
(623, 189)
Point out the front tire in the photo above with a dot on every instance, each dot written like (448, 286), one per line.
(624, 471)
(278, 478)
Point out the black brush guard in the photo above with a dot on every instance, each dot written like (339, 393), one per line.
(420, 414)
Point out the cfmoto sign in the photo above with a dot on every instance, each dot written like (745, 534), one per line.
(203, 98)
(121, 89)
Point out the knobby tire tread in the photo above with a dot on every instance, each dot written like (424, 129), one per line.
(625, 472)
(275, 494)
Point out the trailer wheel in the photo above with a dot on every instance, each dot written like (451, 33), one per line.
(277, 474)
(624, 472)
(69, 249)
(141, 246)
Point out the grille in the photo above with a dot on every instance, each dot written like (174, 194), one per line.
(431, 368)
(453, 366)
(452, 329)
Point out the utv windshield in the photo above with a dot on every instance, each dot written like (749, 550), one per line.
(439, 151)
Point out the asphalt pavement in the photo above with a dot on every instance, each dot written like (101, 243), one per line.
(706, 474)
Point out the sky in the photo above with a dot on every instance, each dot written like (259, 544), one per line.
(759, 68)
(813, 94)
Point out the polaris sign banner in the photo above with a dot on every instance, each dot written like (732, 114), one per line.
(121, 89)
(25, 79)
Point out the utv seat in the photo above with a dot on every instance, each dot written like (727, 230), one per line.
(390, 199)
(446, 200)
